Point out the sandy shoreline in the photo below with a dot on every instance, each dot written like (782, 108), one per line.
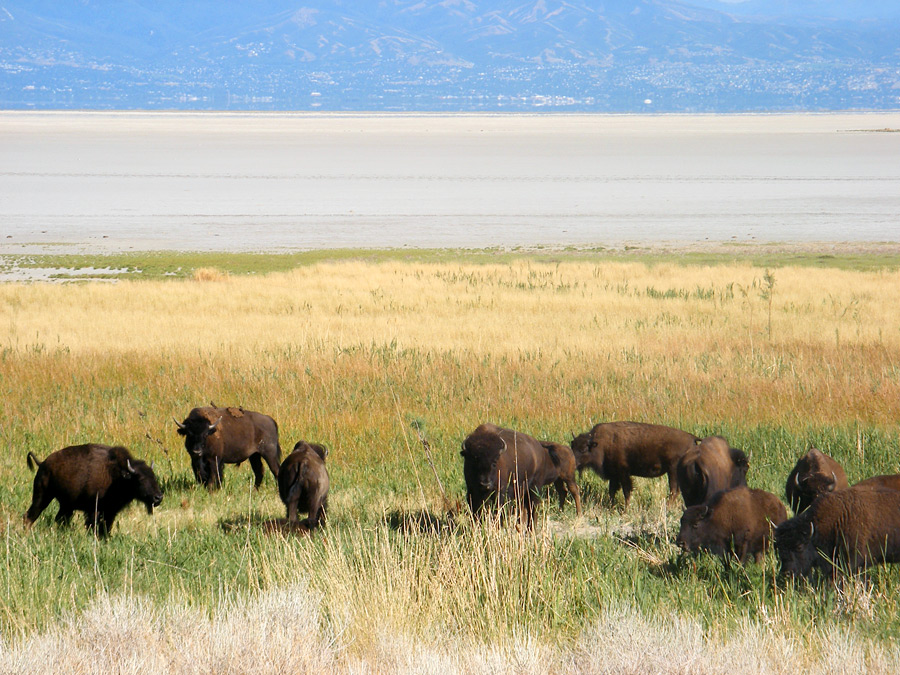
(106, 182)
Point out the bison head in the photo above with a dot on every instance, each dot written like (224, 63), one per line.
(691, 534)
(795, 546)
(196, 429)
(304, 446)
(814, 474)
(143, 482)
(583, 446)
(481, 452)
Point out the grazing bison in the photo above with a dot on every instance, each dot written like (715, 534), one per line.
(617, 451)
(99, 480)
(846, 530)
(563, 475)
(888, 481)
(733, 523)
(303, 483)
(814, 474)
(709, 467)
(508, 465)
(218, 436)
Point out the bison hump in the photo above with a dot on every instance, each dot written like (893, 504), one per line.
(235, 412)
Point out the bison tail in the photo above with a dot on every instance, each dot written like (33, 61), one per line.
(554, 457)
(32, 461)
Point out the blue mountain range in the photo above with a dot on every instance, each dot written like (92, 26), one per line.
(565, 55)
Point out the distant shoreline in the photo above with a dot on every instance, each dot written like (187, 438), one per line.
(95, 182)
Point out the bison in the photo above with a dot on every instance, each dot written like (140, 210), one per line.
(888, 481)
(218, 436)
(563, 475)
(845, 530)
(710, 466)
(303, 483)
(508, 465)
(733, 523)
(814, 474)
(99, 480)
(617, 451)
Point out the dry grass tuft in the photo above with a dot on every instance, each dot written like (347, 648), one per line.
(209, 274)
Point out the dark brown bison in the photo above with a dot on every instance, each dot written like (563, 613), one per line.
(617, 451)
(733, 523)
(218, 436)
(99, 480)
(303, 483)
(889, 482)
(507, 465)
(846, 530)
(563, 475)
(814, 474)
(709, 467)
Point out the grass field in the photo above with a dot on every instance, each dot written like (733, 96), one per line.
(361, 352)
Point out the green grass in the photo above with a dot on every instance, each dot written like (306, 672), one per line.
(397, 556)
(177, 265)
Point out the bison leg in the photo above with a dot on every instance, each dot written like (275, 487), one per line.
(272, 457)
(256, 465)
(216, 473)
(292, 509)
(627, 486)
(64, 515)
(673, 487)
(613, 489)
(576, 493)
(561, 490)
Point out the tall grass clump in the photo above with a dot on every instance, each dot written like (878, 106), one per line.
(372, 360)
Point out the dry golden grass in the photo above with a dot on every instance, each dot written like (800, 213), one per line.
(691, 334)
(350, 354)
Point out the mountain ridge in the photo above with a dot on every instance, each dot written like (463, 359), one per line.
(697, 55)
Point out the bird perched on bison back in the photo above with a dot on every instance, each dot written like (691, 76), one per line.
(846, 530)
(617, 451)
(303, 483)
(733, 523)
(814, 474)
(708, 467)
(217, 436)
(99, 480)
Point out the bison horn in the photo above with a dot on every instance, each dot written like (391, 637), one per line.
(812, 528)
(797, 479)
(214, 425)
(131, 469)
(705, 512)
(180, 425)
(833, 483)
(504, 445)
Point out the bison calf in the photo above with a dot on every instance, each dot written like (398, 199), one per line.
(303, 483)
(563, 474)
(710, 466)
(617, 451)
(99, 480)
(845, 530)
(733, 523)
(814, 474)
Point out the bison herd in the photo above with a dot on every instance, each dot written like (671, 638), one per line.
(836, 527)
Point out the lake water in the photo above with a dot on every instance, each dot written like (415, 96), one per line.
(120, 181)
